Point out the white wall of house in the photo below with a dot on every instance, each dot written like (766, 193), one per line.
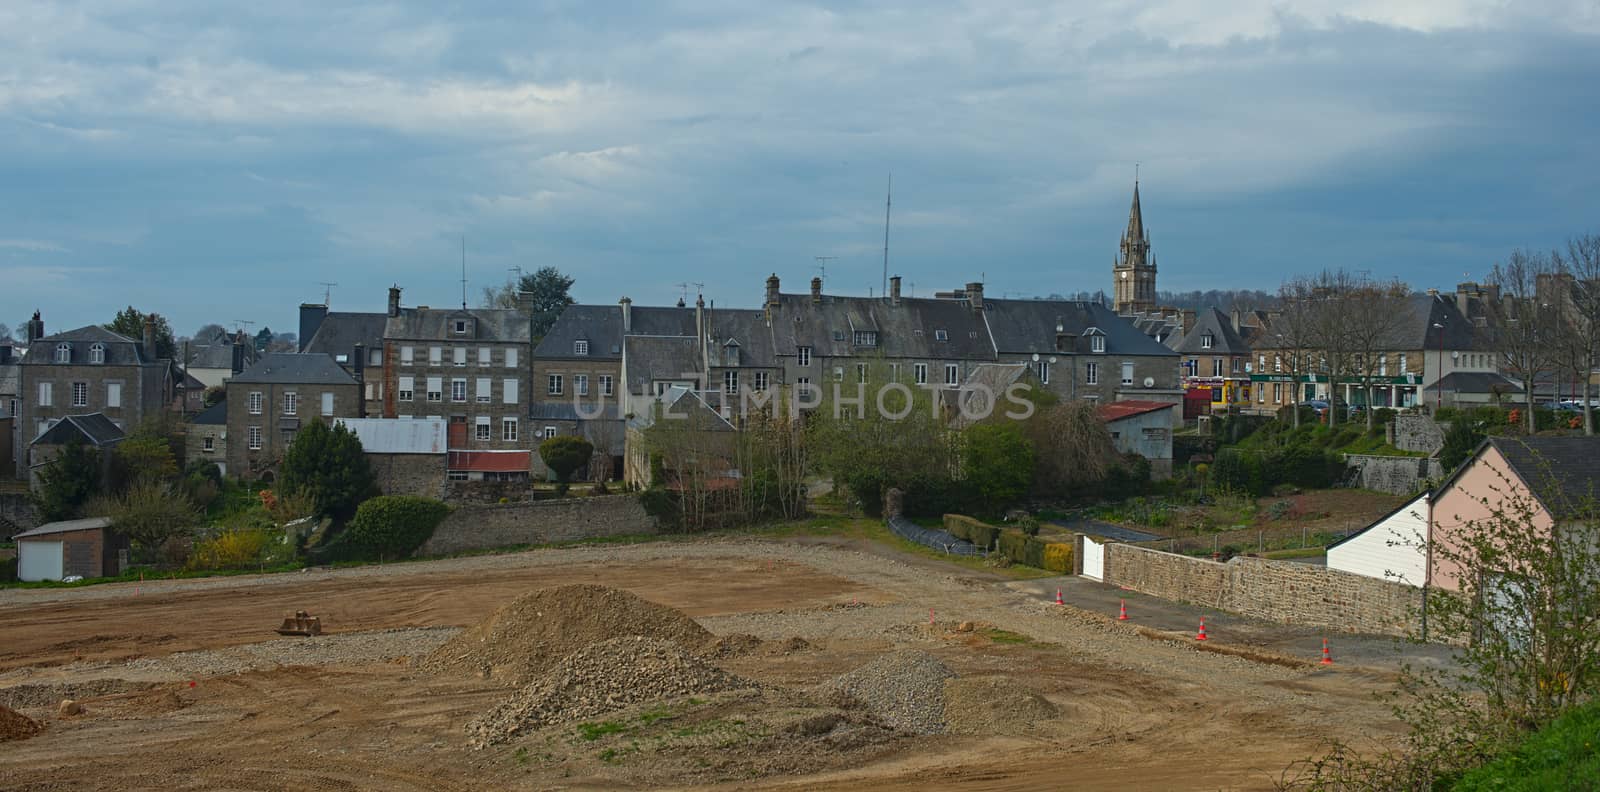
(1390, 549)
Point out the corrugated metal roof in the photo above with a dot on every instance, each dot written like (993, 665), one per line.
(66, 526)
(1116, 411)
(400, 435)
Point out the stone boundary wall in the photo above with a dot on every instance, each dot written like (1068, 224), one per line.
(1417, 433)
(1280, 591)
(483, 527)
(1391, 474)
(16, 514)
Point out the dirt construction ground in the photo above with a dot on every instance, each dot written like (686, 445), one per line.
(184, 685)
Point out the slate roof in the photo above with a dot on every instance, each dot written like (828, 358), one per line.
(1475, 382)
(340, 331)
(215, 415)
(1562, 472)
(751, 336)
(66, 526)
(601, 326)
(659, 358)
(1224, 339)
(11, 379)
(688, 406)
(120, 350)
(93, 428)
(567, 411)
(1028, 326)
(908, 330)
(433, 324)
(290, 368)
(210, 356)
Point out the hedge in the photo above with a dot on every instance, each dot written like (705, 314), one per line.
(1033, 552)
(1058, 557)
(392, 526)
(1014, 545)
(960, 526)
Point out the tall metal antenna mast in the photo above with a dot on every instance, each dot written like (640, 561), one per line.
(699, 288)
(683, 293)
(888, 200)
(822, 265)
(327, 291)
(463, 272)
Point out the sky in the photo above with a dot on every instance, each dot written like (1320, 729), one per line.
(219, 162)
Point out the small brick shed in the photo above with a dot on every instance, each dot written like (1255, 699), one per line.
(56, 550)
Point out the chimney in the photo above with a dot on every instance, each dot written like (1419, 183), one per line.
(525, 302)
(150, 336)
(394, 301)
(894, 290)
(360, 361)
(1464, 294)
(700, 330)
(1433, 292)
(237, 356)
(35, 328)
(627, 314)
(1188, 319)
(816, 290)
(5, 354)
(772, 290)
(1234, 315)
(311, 316)
(975, 295)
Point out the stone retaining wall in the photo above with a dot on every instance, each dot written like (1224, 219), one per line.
(1394, 475)
(482, 527)
(1417, 433)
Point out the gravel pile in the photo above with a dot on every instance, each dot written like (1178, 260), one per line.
(46, 695)
(607, 676)
(993, 705)
(373, 646)
(523, 639)
(904, 688)
(16, 726)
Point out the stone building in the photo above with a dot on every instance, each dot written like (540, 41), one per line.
(469, 366)
(355, 341)
(91, 370)
(270, 401)
(1133, 273)
(206, 436)
(213, 360)
(1216, 359)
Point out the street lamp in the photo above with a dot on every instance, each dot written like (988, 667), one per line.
(1438, 384)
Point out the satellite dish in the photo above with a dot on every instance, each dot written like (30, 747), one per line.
(1036, 357)
(1149, 382)
(1052, 358)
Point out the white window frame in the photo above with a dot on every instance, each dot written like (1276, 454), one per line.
(458, 390)
(1127, 372)
(97, 353)
(63, 353)
(761, 380)
(406, 389)
(550, 431)
(1091, 373)
(208, 443)
(113, 394)
(47, 391)
(865, 338)
(1044, 372)
(408, 355)
(803, 356)
(435, 389)
(291, 403)
(941, 335)
(327, 403)
(730, 381)
(511, 357)
(952, 375)
(861, 373)
(1097, 343)
(580, 348)
(607, 385)
(481, 429)
(485, 356)
(1216, 367)
(508, 430)
(508, 390)
(253, 438)
(580, 384)
(555, 384)
(80, 394)
(254, 402)
(919, 373)
(458, 356)
(1205, 341)
(485, 390)
(435, 356)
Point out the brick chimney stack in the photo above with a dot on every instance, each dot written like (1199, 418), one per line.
(816, 290)
(394, 301)
(150, 336)
(894, 290)
(975, 295)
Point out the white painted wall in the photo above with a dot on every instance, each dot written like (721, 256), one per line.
(1390, 549)
(39, 560)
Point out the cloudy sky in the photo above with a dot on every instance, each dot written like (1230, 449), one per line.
(217, 164)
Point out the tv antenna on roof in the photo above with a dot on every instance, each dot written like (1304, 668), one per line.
(243, 324)
(327, 291)
(699, 288)
(683, 293)
(888, 200)
(463, 272)
(822, 265)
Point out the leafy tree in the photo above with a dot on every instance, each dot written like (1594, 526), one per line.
(548, 291)
(565, 454)
(210, 333)
(67, 482)
(330, 465)
(147, 454)
(150, 512)
(1459, 443)
(997, 463)
(392, 526)
(213, 394)
(264, 339)
(1072, 446)
(5, 331)
(130, 322)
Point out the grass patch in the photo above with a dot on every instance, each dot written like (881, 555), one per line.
(594, 731)
(521, 755)
(1007, 637)
(1298, 552)
(655, 714)
(1563, 755)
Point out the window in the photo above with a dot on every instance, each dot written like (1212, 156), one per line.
(1405, 362)
(460, 326)
(1261, 363)
(458, 390)
(208, 444)
(405, 391)
(511, 357)
(549, 432)
(481, 428)
(894, 372)
(80, 394)
(327, 404)
(1383, 365)
(1238, 365)
(1216, 367)
(484, 386)
(952, 374)
(580, 384)
(838, 335)
(761, 380)
(804, 357)
(1127, 373)
(580, 347)
(508, 430)
(1205, 341)
(920, 373)
(802, 382)
(1097, 343)
(456, 475)
(113, 394)
(63, 353)
(838, 373)
(485, 357)
(553, 385)
(861, 372)
(407, 355)
(941, 335)
(375, 358)
(1277, 392)
(255, 438)
(605, 385)
(97, 353)
(866, 338)
(435, 355)
(1044, 372)
(1091, 373)
(459, 356)
(291, 403)
(436, 389)
(255, 402)
(508, 389)
(1277, 363)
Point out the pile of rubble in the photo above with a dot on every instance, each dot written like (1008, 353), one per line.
(905, 689)
(16, 726)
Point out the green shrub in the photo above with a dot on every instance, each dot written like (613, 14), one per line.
(1013, 545)
(984, 536)
(660, 504)
(1558, 756)
(1033, 552)
(1028, 525)
(392, 526)
(958, 526)
(565, 455)
(8, 569)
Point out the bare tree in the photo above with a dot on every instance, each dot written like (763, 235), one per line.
(1332, 299)
(1579, 303)
(1293, 333)
(1524, 329)
(1373, 316)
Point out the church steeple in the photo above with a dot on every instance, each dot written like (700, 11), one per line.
(1134, 271)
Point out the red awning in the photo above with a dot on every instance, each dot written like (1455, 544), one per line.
(1116, 411)
(490, 461)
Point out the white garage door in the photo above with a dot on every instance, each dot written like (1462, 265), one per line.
(39, 560)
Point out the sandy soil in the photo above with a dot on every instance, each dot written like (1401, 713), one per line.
(1135, 713)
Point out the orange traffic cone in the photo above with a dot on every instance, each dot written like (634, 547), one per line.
(1327, 658)
(1122, 614)
(1059, 600)
(1202, 635)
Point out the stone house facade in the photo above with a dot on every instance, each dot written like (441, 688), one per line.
(269, 402)
(355, 341)
(206, 436)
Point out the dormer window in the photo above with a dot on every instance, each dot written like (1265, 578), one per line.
(1097, 343)
(866, 338)
(580, 348)
(1205, 341)
(460, 326)
(97, 353)
(63, 353)
(941, 335)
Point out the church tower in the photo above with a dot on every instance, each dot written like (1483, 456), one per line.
(1134, 270)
